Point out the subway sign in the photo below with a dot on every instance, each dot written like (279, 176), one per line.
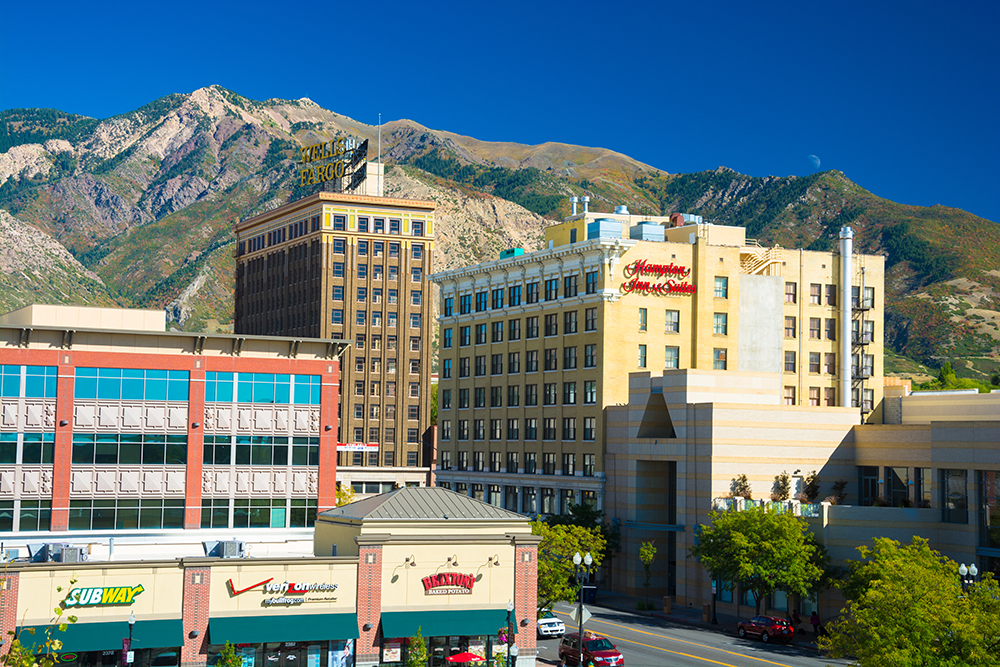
(95, 597)
(642, 277)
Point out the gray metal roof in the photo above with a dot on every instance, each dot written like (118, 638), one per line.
(422, 502)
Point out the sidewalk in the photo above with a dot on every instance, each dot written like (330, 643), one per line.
(692, 616)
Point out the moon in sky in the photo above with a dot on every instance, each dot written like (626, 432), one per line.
(814, 161)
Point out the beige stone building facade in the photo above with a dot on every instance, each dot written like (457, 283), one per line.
(930, 469)
(353, 267)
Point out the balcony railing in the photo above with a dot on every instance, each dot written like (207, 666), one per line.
(861, 337)
(862, 371)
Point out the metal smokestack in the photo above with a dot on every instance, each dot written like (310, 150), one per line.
(586, 203)
(846, 279)
(573, 200)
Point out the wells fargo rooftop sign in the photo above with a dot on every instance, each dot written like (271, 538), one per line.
(334, 161)
(642, 277)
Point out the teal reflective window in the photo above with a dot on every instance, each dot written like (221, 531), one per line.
(35, 515)
(8, 448)
(279, 389)
(218, 387)
(114, 448)
(6, 516)
(130, 384)
(40, 381)
(10, 381)
(38, 447)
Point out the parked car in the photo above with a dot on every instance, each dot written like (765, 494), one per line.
(596, 648)
(549, 625)
(768, 628)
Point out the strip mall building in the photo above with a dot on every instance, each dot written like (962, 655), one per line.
(414, 559)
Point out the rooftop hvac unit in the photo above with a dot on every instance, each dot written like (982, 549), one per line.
(7, 555)
(231, 549)
(71, 555)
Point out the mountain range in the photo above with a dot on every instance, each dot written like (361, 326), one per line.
(136, 210)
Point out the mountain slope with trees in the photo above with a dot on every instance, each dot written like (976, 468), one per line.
(145, 201)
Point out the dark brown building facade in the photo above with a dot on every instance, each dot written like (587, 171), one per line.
(353, 268)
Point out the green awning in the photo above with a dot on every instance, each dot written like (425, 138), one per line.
(80, 636)
(282, 628)
(443, 623)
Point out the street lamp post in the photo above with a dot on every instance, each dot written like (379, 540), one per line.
(967, 575)
(127, 648)
(510, 631)
(513, 654)
(580, 570)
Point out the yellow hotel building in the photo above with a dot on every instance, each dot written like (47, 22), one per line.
(535, 347)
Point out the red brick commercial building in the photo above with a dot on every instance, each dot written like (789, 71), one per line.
(113, 427)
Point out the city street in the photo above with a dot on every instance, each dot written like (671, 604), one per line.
(650, 642)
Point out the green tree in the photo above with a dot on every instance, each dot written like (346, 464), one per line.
(555, 559)
(28, 651)
(647, 553)
(416, 653)
(345, 495)
(762, 551)
(587, 516)
(228, 657)
(905, 607)
(434, 404)
(946, 376)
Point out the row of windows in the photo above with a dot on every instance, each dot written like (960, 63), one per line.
(550, 359)
(511, 296)
(131, 384)
(31, 515)
(495, 330)
(550, 395)
(371, 459)
(258, 512)
(375, 364)
(124, 514)
(549, 429)
(292, 231)
(375, 389)
(375, 294)
(510, 497)
(375, 411)
(129, 448)
(859, 298)
(361, 318)
(375, 343)
(377, 248)
(389, 437)
(27, 447)
(509, 462)
(273, 388)
(416, 296)
(361, 272)
(377, 225)
(28, 381)
(260, 450)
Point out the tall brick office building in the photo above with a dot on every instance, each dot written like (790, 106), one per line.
(353, 267)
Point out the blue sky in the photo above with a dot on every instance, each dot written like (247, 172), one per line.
(901, 97)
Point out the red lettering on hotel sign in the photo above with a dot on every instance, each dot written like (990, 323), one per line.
(448, 583)
(640, 268)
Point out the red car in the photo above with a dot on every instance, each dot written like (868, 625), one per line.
(596, 649)
(768, 628)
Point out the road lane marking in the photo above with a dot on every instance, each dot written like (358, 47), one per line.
(682, 641)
